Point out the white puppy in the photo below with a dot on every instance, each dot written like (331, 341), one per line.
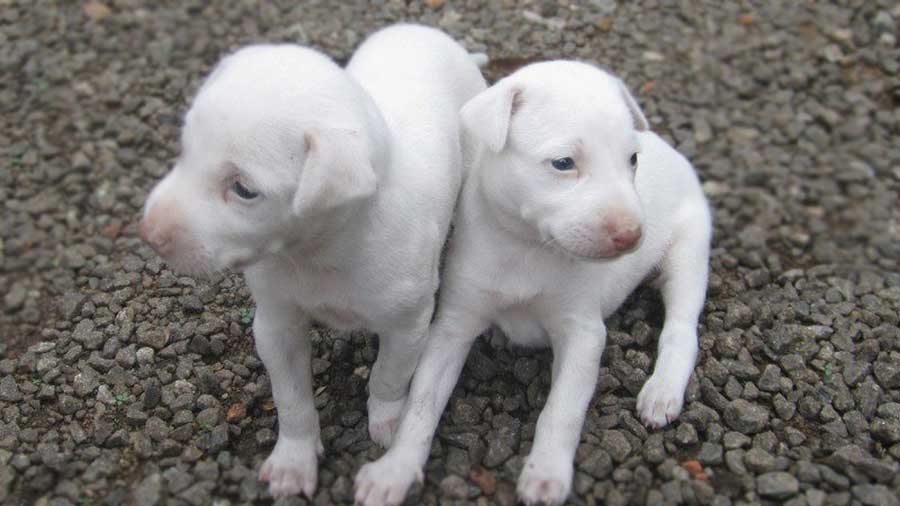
(570, 204)
(333, 191)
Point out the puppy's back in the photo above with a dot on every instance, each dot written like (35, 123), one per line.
(667, 183)
(405, 63)
(420, 78)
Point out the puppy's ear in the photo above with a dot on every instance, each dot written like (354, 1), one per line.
(487, 116)
(338, 171)
(640, 121)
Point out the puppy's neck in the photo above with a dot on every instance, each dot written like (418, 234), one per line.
(483, 208)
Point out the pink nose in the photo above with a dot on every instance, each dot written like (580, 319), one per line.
(160, 238)
(626, 239)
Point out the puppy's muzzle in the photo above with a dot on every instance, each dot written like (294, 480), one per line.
(624, 236)
(160, 236)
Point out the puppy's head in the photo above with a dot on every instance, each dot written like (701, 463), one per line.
(277, 142)
(560, 152)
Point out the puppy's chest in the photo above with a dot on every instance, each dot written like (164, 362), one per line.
(332, 299)
(512, 285)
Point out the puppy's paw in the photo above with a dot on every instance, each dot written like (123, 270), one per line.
(660, 400)
(384, 417)
(386, 481)
(544, 481)
(292, 467)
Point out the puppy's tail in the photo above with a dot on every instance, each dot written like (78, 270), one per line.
(479, 59)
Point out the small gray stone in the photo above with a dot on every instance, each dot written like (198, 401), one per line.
(875, 495)
(199, 494)
(738, 315)
(71, 305)
(85, 334)
(886, 431)
(481, 366)
(889, 410)
(759, 460)
(134, 416)
(599, 464)
(177, 479)
(770, 379)
(733, 440)
(85, 382)
(525, 369)
(152, 393)
(149, 492)
(68, 404)
(777, 485)
(9, 389)
(502, 441)
(7, 366)
(815, 497)
(616, 444)
(463, 412)
(454, 487)
(215, 440)
(342, 489)
(15, 298)
(710, 454)
(207, 470)
(145, 356)
(126, 356)
(884, 22)
(686, 435)
(653, 450)
(888, 373)
(746, 417)
(808, 472)
(156, 428)
(783, 407)
(265, 437)
(142, 444)
(191, 304)
(209, 417)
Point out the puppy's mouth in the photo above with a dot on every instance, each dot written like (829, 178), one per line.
(239, 261)
(593, 254)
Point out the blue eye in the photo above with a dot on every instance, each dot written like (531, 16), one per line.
(244, 192)
(563, 164)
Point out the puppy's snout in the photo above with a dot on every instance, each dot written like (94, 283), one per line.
(158, 234)
(623, 233)
(626, 239)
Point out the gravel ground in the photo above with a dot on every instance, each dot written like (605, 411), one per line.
(122, 382)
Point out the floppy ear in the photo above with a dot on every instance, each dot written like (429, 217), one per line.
(486, 116)
(640, 121)
(338, 171)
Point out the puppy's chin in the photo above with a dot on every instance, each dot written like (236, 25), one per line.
(194, 267)
(197, 264)
(591, 253)
(239, 260)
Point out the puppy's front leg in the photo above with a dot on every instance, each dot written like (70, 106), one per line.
(398, 353)
(547, 475)
(683, 285)
(285, 349)
(386, 481)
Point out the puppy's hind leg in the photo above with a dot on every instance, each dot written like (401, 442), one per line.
(386, 481)
(683, 284)
(398, 354)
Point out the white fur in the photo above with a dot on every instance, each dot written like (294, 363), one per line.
(531, 253)
(358, 171)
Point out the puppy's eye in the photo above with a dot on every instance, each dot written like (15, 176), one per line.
(243, 192)
(563, 164)
(633, 160)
